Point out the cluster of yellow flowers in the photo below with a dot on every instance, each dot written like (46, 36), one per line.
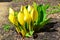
(25, 15)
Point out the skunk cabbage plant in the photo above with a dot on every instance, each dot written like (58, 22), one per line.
(29, 18)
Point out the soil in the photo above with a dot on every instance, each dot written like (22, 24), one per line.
(51, 31)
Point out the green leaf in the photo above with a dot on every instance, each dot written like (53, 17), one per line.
(44, 12)
(31, 33)
(44, 22)
(26, 26)
(27, 35)
(46, 6)
(42, 17)
(40, 14)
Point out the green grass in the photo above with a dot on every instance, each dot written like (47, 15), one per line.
(6, 27)
(54, 9)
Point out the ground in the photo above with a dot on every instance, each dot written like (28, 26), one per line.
(52, 34)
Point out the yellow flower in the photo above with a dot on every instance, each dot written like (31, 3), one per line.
(27, 16)
(21, 18)
(34, 14)
(29, 8)
(11, 17)
(22, 8)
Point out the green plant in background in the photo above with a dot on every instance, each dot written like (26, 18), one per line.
(6, 27)
(18, 0)
(29, 18)
(54, 9)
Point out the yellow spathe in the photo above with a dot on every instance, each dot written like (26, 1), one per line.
(21, 18)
